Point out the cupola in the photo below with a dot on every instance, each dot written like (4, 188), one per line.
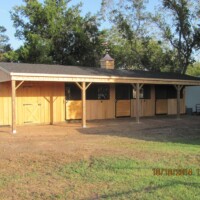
(107, 62)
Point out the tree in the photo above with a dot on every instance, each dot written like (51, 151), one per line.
(4, 46)
(10, 56)
(177, 22)
(130, 23)
(55, 33)
(129, 37)
(3, 38)
(154, 56)
(194, 70)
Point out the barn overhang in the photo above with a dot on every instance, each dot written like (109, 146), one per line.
(99, 79)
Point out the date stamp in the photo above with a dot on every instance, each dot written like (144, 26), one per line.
(175, 172)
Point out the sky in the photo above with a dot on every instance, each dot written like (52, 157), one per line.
(6, 6)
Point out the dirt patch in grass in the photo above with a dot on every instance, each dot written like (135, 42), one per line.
(111, 159)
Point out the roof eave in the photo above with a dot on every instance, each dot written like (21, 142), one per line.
(98, 79)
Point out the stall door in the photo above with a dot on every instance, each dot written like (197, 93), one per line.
(161, 92)
(73, 108)
(161, 106)
(31, 104)
(123, 100)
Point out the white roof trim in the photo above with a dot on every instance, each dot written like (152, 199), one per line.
(102, 79)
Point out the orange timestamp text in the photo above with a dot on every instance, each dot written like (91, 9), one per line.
(175, 172)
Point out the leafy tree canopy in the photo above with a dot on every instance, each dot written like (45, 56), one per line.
(177, 24)
(177, 28)
(3, 40)
(164, 40)
(56, 33)
(194, 70)
(149, 54)
(4, 46)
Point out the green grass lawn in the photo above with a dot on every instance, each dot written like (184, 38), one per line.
(111, 177)
(130, 169)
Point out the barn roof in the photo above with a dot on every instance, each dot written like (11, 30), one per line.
(44, 70)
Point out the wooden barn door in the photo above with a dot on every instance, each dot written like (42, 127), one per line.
(73, 108)
(123, 100)
(161, 99)
(31, 104)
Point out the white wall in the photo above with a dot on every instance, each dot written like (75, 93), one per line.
(192, 97)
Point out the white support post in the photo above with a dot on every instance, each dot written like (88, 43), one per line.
(83, 105)
(137, 87)
(13, 89)
(178, 90)
(137, 102)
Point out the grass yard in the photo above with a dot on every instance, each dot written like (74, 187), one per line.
(115, 159)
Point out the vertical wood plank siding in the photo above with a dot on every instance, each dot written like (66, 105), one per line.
(44, 103)
(95, 109)
(5, 103)
(40, 102)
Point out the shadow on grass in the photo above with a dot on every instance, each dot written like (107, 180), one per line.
(149, 189)
(160, 129)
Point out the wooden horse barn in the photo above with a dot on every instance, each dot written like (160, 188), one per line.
(47, 94)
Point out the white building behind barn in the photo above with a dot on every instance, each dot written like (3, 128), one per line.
(192, 97)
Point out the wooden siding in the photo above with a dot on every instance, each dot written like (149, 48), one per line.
(161, 106)
(58, 99)
(95, 109)
(172, 106)
(36, 102)
(5, 103)
(44, 103)
(123, 108)
(169, 106)
(73, 110)
(108, 64)
(105, 109)
(147, 106)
